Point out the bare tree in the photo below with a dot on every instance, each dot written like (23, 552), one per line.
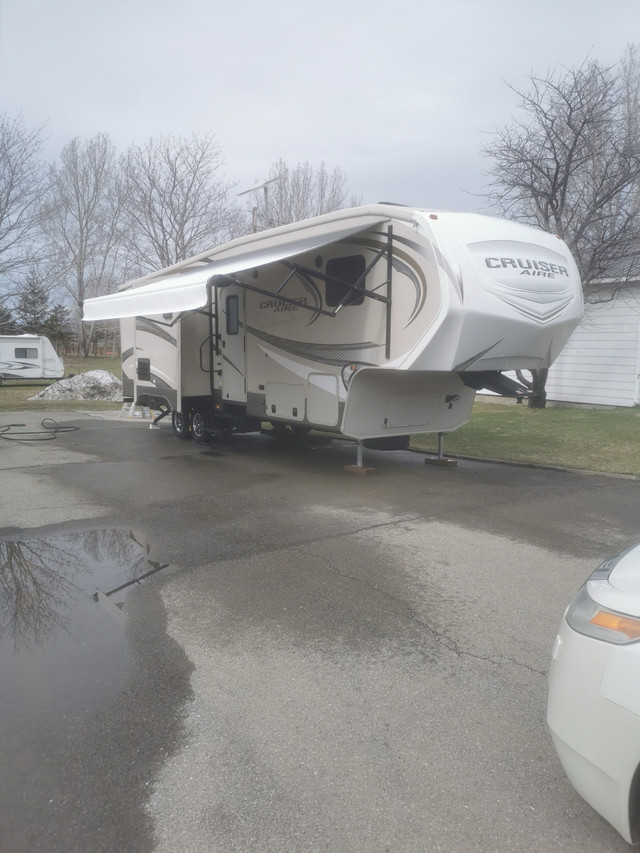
(80, 222)
(571, 166)
(175, 202)
(292, 194)
(22, 177)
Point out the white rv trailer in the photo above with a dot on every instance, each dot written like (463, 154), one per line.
(373, 323)
(29, 357)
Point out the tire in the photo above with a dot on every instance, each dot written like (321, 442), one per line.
(180, 424)
(198, 426)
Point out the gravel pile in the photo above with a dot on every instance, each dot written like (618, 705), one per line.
(92, 385)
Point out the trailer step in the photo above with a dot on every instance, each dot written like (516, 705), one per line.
(131, 410)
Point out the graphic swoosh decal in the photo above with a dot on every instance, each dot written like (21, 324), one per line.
(326, 353)
(145, 325)
(403, 263)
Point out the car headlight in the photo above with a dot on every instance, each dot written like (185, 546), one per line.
(587, 616)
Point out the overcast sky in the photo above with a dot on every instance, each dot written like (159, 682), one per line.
(400, 95)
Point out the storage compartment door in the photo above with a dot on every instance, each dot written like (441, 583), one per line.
(322, 399)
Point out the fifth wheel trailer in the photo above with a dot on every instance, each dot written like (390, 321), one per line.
(29, 357)
(373, 323)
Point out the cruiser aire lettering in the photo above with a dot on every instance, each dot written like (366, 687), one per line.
(280, 305)
(527, 266)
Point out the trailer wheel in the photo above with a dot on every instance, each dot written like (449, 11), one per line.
(197, 426)
(180, 424)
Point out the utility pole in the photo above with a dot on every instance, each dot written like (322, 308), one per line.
(262, 185)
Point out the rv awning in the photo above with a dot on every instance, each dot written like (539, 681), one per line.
(183, 287)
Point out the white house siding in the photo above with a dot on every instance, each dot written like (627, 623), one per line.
(600, 363)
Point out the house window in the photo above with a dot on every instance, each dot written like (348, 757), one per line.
(233, 323)
(26, 352)
(349, 270)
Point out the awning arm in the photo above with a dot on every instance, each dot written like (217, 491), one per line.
(387, 345)
(230, 279)
(295, 268)
(180, 315)
(355, 287)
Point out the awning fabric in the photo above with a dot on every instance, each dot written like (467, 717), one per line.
(183, 287)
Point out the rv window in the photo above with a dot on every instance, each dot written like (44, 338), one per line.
(144, 369)
(26, 352)
(349, 270)
(232, 315)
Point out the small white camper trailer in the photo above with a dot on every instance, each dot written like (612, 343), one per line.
(373, 323)
(29, 357)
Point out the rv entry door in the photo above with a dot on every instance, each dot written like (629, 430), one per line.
(234, 384)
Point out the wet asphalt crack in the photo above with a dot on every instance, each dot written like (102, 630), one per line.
(441, 637)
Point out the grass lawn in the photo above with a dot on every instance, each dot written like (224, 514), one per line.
(15, 393)
(591, 439)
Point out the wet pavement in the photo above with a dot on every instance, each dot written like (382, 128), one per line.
(245, 648)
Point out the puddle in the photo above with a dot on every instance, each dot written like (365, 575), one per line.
(63, 642)
(42, 581)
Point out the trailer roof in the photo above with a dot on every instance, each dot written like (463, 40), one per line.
(183, 287)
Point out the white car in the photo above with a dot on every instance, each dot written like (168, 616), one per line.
(594, 692)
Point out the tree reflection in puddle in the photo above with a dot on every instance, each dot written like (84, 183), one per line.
(63, 655)
(41, 580)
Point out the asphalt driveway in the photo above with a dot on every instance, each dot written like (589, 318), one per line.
(247, 649)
